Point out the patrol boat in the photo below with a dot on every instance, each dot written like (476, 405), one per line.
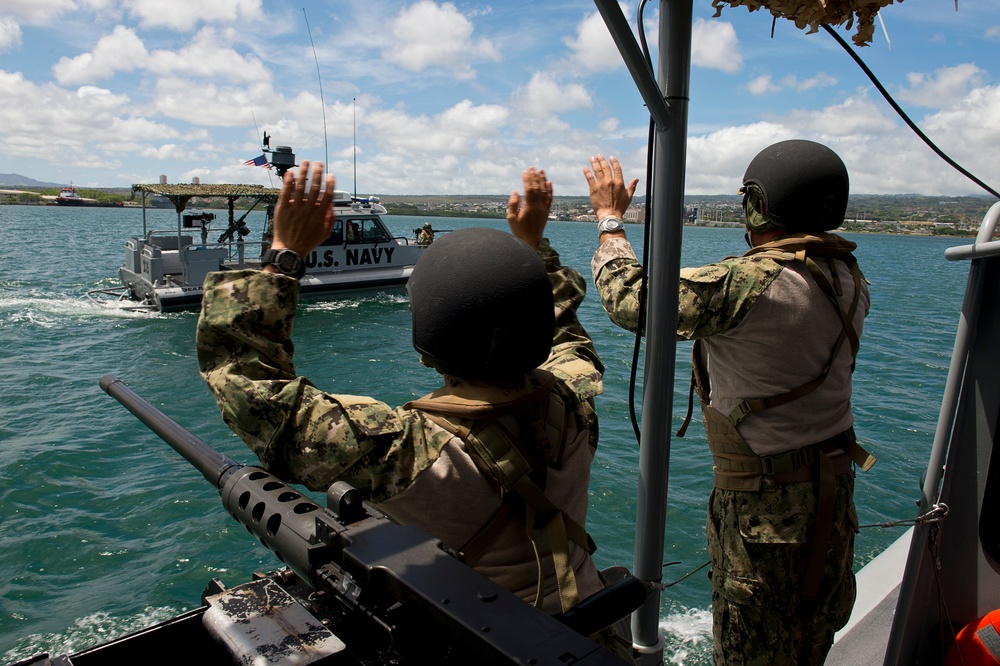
(164, 268)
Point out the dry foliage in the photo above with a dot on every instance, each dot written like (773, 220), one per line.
(814, 13)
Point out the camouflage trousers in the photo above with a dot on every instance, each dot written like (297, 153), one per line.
(759, 544)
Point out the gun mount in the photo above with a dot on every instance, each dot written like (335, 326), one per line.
(358, 588)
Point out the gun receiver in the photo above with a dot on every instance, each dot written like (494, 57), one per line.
(388, 591)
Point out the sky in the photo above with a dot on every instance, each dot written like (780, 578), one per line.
(429, 97)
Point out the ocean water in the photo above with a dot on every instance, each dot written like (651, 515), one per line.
(104, 529)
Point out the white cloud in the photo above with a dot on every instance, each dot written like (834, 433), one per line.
(947, 86)
(762, 85)
(881, 154)
(184, 15)
(205, 56)
(854, 117)
(820, 80)
(208, 104)
(608, 125)
(455, 131)
(10, 34)
(430, 35)
(38, 12)
(993, 32)
(543, 96)
(167, 151)
(716, 161)
(714, 45)
(592, 49)
(70, 126)
(122, 50)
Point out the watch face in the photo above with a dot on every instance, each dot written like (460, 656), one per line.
(610, 225)
(286, 262)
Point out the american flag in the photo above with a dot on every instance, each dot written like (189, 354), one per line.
(258, 161)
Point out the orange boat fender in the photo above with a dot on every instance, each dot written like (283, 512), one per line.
(977, 643)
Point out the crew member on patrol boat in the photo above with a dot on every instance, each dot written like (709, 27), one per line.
(776, 334)
(426, 235)
(496, 462)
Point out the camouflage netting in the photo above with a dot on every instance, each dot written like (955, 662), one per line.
(814, 13)
(189, 190)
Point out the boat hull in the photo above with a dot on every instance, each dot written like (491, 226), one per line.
(173, 297)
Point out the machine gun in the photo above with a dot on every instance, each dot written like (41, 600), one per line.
(360, 589)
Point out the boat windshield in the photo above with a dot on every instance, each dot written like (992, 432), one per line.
(357, 230)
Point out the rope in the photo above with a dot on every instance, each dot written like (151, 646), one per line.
(937, 514)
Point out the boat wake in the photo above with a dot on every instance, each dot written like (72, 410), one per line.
(52, 311)
(352, 303)
(87, 632)
(688, 636)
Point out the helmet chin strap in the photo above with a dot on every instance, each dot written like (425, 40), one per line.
(746, 237)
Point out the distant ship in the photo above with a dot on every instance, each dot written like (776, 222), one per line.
(69, 196)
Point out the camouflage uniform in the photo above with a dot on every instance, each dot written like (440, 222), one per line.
(314, 438)
(758, 541)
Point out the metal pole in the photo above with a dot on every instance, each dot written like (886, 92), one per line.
(637, 65)
(661, 321)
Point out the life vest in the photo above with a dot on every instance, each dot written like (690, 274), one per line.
(515, 445)
(735, 464)
(978, 643)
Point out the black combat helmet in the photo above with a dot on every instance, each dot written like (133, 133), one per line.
(803, 184)
(482, 307)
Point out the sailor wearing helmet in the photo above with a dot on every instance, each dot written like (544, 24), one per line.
(426, 235)
(495, 314)
(776, 334)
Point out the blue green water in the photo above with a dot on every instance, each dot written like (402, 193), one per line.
(103, 528)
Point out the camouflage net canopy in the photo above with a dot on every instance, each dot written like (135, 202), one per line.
(180, 194)
(815, 13)
(190, 190)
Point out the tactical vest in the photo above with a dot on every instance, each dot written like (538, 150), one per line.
(515, 446)
(735, 465)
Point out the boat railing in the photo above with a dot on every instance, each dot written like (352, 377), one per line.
(405, 240)
(169, 241)
(985, 245)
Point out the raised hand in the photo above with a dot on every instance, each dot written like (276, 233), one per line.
(608, 194)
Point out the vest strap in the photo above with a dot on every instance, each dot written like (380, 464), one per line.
(495, 449)
(749, 406)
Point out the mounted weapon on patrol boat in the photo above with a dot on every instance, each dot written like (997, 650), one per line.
(164, 269)
(358, 588)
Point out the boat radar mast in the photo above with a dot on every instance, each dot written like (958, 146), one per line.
(282, 157)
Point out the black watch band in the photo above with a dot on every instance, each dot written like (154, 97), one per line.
(285, 261)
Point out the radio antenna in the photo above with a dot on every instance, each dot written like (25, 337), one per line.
(326, 147)
(264, 144)
(355, 147)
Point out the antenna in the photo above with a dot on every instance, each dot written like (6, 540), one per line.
(266, 143)
(326, 147)
(355, 147)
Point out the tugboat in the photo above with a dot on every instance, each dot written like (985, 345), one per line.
(164, 269)
(69, 196)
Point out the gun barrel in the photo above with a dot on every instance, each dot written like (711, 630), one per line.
(212, 464)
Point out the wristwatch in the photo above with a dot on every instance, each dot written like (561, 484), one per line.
(285, 261)
(610, 224)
